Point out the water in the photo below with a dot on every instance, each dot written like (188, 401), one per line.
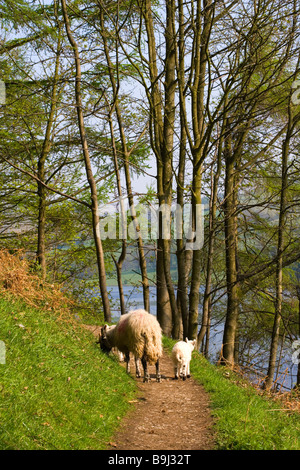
(133, 299)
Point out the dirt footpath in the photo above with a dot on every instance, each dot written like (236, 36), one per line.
(171, 415)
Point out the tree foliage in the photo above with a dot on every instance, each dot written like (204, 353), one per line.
(202, 90)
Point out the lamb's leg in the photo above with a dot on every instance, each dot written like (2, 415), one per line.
(145, 367)
(188, 370)
(183, 371)
(137, 368)
(176, 373)
(158, 376)
(127, 360)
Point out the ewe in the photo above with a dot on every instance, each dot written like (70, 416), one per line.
(120, 355)
(137, 332)
(181, 357)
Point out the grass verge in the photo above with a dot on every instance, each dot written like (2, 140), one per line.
(244, 420)
(57, 390)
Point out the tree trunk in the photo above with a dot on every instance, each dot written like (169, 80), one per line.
(167, 152)
(211, 245)
(280, 249)
(298, 369)
(164, 310)
(207, 333)
(182, 296)
(120, 261)
(229, 336)
(41, 250)
(196, 262)
(89, 173)
(201, 40)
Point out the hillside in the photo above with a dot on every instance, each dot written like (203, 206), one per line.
(57, 391)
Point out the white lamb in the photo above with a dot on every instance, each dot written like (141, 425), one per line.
(181, 357)
(137, 332)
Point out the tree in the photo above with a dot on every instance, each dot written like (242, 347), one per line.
(126, 152)
(89, 172)
(46, 148)
(292, 122)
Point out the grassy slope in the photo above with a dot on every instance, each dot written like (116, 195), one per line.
(57, 390)
(244, 419)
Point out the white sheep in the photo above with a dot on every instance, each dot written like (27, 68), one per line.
(137, 332)
(181, 357)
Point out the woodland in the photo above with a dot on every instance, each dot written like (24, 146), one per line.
(201, 100)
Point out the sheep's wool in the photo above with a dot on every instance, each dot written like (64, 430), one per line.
(139, 332)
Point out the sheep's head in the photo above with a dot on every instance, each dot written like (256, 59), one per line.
(104, 342)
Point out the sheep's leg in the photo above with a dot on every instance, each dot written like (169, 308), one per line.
(121, 356)
(127, 360)
(137, 368)
(176, 373)
(158, 376)
(145, 367)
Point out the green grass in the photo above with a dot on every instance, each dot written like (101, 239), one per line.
(244, 420)
(57, 390)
